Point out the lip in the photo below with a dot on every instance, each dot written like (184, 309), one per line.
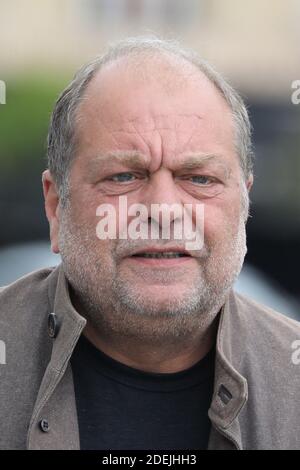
(161, 262)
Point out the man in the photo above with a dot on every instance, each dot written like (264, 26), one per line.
(141, 343)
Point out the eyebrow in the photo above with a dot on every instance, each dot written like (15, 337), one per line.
(131, 158)
(199, 160)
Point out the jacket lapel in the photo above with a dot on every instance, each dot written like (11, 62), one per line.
(230, 387)
(55, 403)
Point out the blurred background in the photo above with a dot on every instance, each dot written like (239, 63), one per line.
(256, 45)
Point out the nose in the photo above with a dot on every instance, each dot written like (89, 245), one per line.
(162, 193)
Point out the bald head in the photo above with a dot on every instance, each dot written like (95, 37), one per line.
(165, 62)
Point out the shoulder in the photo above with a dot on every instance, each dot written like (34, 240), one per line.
(263, 342)
(24, 309)
(27, 282)
(25, 295)
(264, 319)
(265, 350)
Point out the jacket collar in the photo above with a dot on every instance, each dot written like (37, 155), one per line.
(69, 322)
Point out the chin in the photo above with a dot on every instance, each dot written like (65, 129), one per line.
(163, 295)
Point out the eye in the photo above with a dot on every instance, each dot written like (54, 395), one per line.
(123, 177)
(200, 179)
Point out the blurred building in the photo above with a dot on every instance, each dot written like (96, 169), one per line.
(257, 43)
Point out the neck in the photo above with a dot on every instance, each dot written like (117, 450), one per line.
(164, 358)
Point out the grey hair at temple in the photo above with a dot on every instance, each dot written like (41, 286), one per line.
(62, 130)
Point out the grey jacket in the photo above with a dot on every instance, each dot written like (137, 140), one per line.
(257, 385)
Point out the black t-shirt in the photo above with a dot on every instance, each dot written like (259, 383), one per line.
(123, 408)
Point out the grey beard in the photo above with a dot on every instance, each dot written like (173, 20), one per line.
(125, 313)
(116, 309)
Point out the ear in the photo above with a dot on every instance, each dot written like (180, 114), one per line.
(52, 208)
(249, 182)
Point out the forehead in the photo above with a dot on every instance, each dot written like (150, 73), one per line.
(154, 103)
(133, 85)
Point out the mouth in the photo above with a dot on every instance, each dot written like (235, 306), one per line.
(161, 257)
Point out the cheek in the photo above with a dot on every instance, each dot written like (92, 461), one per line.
(85, 208)
(221, 222)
